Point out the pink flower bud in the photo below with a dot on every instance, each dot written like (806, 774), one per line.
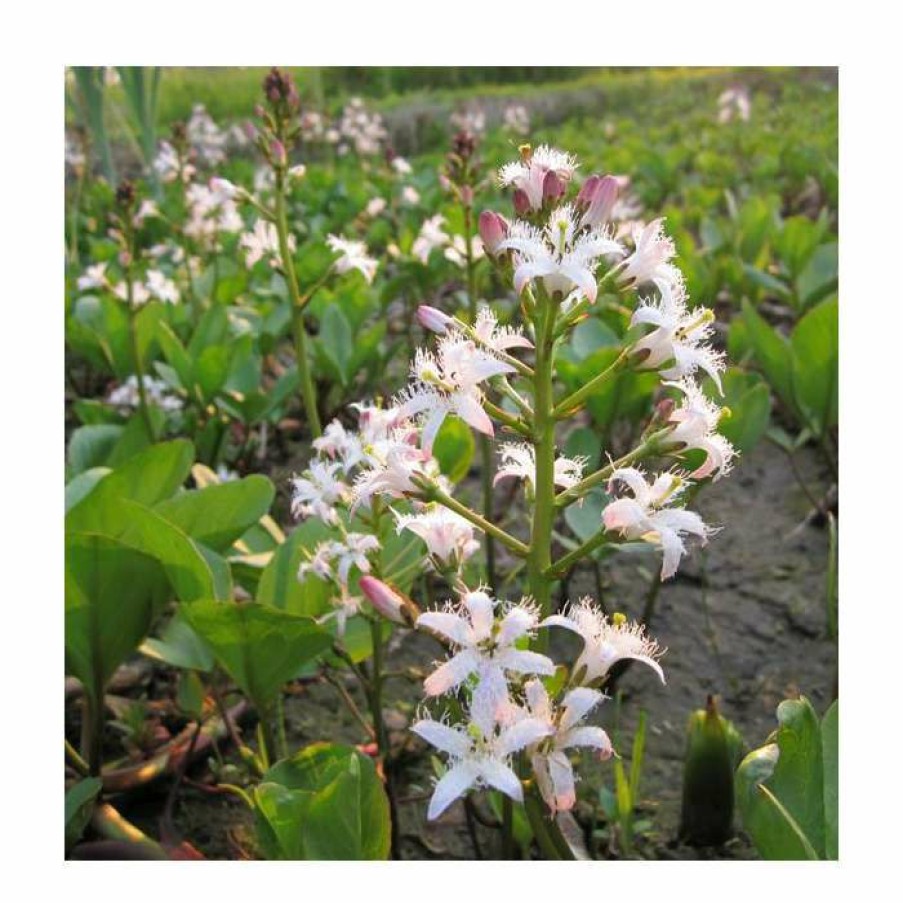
(466, 195)
(277, 149)
(223, 187)
(389, 603)
(493, 230)
(588, 191)
(521, 202)
(599, 195)
(552, 187)
(432, 319)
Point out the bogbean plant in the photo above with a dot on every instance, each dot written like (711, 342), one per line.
(503, 711)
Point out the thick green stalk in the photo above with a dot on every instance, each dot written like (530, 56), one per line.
(540, 557)
(308, 395)
(486, 460)
(136, 350)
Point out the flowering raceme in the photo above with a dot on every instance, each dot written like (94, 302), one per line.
(505, 713)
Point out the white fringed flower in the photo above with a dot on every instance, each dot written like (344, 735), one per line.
(486, 646)
(93, 277)
(498, 338)
(449, 383)
(649, 261)
(160, 286)
(605, 642)
(262, 242)
(431, 237)
(647, 517)
(318, 491)
(479, 754)
(696, 423)
(353, 256)
(529, 175)
(334, 559)
(393, 468)
(519, 461)
(337, 443)
(679, 337)
(449, 538)
(551, 765)
(562, 254)
(156, 391)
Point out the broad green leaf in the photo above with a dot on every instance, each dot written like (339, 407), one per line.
(279, 585)
(219, 515)
(178, 645)
(454, 448)
(134, 438)
(340, 809)
(90, 446)
(815, 358)
(211, 370)
(819, 278)
(83, 484)
(829, 738)
(113, 593)
(586, 519)
(146, 478)
(80, 800)
(591, 335)
(260, 647)
(772, 352)
(781, 787)
(176, 355)
(337, 341)
(584, 443)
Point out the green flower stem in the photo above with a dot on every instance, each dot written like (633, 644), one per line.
(487, 467)
(646, 449)
(133, 335)
(540, 553)
(510, 421)
(546, 831)
(76, 761)
(566, 406)
(308, 395)
(565, 563)
(435, 494)
(110, 824)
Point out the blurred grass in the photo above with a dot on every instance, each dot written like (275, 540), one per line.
(231, 92)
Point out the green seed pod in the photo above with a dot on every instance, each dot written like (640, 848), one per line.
(707, 812)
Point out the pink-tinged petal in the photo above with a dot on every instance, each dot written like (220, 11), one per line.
(524, 662)
(456, 670)
(672, 550)
(497, 774)
(649, 314)
(633, 479)
(482, 613)
(646, 660)
(543, 780)
(452, 627)
(523, 733)
(431, 429)
(561, 621)
(453, 784)
(538, 699)
(490, 703)
(582, 278)
(593, 737)
(624, 515)
(512, 340)
(515, 624)
(488, 367)
(471, 412)
(447, 739)
(577, 705)
(562, 781)
(527, 272)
